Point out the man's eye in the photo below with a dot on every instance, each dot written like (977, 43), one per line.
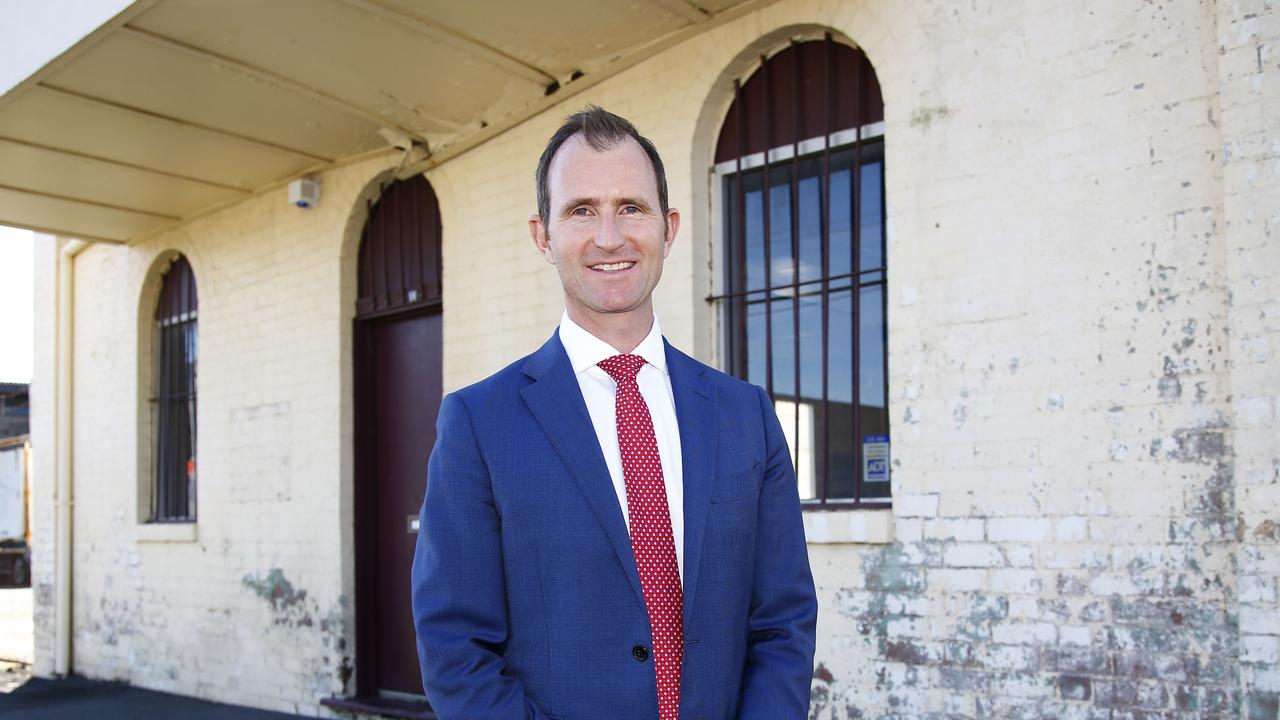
(581, 212)
(631, 209)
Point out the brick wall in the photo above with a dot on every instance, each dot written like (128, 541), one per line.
(1082, 275)
(1248, 37)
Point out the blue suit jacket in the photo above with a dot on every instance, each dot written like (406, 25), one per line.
(526, 597)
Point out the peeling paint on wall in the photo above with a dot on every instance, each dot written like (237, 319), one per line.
(289, 606)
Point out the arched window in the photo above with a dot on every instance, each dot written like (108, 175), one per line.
(173, 402)
(800, 168)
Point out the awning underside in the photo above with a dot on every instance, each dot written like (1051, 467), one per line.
(177, 107)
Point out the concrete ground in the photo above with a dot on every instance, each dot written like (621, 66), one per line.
(12, 676)
(76, 698)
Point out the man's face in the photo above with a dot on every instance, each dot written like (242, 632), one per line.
(605, 232)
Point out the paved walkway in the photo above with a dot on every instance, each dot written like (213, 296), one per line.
(76, 699)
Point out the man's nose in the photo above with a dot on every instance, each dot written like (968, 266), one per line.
(609, 237)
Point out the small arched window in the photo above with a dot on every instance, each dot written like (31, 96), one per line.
(800, 169)
(173, 402)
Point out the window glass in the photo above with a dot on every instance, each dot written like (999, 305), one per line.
(173, 497)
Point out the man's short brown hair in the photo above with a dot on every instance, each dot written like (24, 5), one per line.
(601, 130)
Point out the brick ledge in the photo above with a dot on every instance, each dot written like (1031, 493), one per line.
(865, 527)
(165, 532)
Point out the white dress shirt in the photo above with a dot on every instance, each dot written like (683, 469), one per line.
(600, 391)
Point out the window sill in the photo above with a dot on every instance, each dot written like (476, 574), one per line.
(165, 533)
(837, 527)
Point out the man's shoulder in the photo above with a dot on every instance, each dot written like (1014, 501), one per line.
(506, 381)
(504, 386)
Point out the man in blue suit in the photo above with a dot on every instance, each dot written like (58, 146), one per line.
(611, 529)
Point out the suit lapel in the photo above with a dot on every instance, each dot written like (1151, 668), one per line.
(556, 402)
(695, 414)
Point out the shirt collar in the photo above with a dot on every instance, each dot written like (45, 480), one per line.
(586, 350)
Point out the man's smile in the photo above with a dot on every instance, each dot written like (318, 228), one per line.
(613, 267)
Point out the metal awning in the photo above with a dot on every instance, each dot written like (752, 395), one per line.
(175, 108)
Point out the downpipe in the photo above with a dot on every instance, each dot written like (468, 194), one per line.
(62, 490)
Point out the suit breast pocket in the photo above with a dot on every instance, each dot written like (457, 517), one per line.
(737, 486)
(731, 527)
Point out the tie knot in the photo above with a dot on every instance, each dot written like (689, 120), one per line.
(622, 367)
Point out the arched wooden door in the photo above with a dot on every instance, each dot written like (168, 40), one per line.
(398, 385)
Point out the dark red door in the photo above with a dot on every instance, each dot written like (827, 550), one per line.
(398, 382)
(404, 385)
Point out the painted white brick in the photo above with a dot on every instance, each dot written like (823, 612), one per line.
(1259, 620)
(1257, 589)
(1265, 678)
(907, 627)
(1016, 581)
(1260, 649)
(1006, 657)
(1079, 635)
(1114, 584)
(974, 555)
(1254, 410)
(897, 604)
(915, 505)
(908, 530)
(1020, 685)
(1016, 633)
(1259, 560)
(959, 529)
(946, 580)
(1070, 557)
(1018, 529)
(957, 704)
(1071, 529)
(1020, 556)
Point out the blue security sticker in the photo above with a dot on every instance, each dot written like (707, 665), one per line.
(875, 458)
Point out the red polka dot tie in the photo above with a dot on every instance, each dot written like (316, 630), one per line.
(651, 538)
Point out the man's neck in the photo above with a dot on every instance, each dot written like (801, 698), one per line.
(623, 331)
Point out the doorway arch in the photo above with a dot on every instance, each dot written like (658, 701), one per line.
(398, 383)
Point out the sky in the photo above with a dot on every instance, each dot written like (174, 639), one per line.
(16, 304)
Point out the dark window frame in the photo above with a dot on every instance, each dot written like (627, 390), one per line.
(173, 401)
(755, 153)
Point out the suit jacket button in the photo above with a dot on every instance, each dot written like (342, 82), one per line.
(640, 653)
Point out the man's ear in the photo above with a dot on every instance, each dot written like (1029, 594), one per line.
(538, 233)
(673, 226)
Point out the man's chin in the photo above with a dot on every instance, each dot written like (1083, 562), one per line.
(616, 308)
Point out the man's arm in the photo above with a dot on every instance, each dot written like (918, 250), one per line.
(784, 606)
(459, 592)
